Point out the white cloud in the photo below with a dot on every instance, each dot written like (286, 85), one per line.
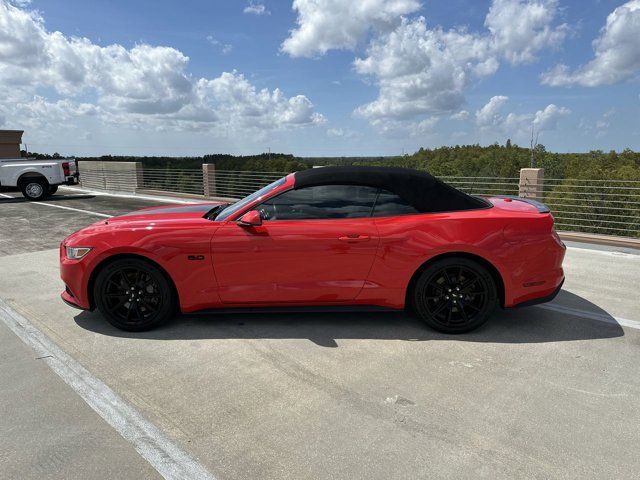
(255, 8)
(224, 48)
(422, 71)
(403, 128)
(461, 115)
(143, 85)
(547, 119)
(489, 115)
(617, 53)
(38, 112)
(491, 118)
(426, 71)
(423, 127)
(241, 104)
(520, 29)
(342, 133)
(325, 25)
(21, 40)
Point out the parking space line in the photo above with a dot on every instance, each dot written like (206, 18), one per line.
(89, 212)
(167, 458)
(625, 322)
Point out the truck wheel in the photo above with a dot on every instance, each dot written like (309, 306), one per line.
(53, 189)
(34, 188)
(455, 295)
(133, 295)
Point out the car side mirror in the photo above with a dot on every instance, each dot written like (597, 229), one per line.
(250, 219)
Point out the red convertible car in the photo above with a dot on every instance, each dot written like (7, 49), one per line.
(332, 236)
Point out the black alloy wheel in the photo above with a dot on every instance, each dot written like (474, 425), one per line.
(455, 295)
(134, 295)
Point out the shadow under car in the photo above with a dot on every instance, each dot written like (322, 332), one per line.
(520, 325)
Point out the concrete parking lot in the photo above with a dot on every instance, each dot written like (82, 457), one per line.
(541, 392)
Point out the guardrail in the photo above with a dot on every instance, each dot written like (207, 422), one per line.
(484, 185)
(238, 184)
(189, 181)
(609, 207)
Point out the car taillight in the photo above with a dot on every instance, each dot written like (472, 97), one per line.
(65, 168)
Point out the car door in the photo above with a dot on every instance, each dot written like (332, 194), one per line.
(315, 245)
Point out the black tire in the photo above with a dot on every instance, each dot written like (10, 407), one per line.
(455, 295)
(34, 189)
(53, 189)
(134, 295)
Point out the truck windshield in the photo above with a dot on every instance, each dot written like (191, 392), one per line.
(234, 207)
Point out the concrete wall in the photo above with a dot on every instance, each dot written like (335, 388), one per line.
(10, 141)
(111, 176)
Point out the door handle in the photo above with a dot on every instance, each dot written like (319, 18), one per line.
(354, 238)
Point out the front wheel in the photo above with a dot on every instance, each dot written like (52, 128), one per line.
(134, 295)
(455, 295)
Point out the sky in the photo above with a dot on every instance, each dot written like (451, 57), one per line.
(318, 77)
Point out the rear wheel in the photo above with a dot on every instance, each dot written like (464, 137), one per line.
(53, 189)
(455, 295)
(134, 295)
(34, 188)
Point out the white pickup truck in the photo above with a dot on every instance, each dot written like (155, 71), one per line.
(38, 178)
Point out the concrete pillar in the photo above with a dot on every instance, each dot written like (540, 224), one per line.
(531, 183)
(209, 179)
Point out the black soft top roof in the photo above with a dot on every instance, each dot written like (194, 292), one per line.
(420, 189)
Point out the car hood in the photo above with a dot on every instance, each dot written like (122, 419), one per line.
(167, 216)
(167, 212)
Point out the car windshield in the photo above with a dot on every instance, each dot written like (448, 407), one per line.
(234, 207)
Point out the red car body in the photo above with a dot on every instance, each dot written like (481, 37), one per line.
(350, 261)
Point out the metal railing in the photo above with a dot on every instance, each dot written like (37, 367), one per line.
(238, 184)
(189, 181)
(484, 185)
(610, 207)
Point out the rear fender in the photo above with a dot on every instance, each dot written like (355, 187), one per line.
(29, 174)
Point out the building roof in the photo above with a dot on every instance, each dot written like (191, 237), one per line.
(420, 189)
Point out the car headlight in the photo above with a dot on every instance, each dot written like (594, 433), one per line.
(76, 253)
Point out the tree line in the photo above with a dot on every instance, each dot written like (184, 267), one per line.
(495, 160)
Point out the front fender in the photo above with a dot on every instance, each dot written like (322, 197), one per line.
(183, 253)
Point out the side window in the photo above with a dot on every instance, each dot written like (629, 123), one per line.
(323, 201)
(390, 204)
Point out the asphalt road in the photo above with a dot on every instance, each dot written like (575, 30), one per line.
(40, 227)
(540, 392)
